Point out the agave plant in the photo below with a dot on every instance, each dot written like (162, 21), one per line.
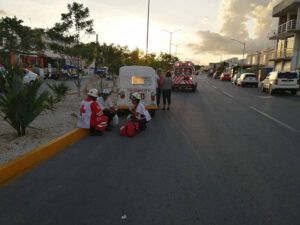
(60, 90)
(20, 104)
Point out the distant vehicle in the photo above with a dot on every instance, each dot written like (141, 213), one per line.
(30, 76)
(225, 77)
(217, 75)
(247, 79)
(281, 81)
(102, 72)
(235, 78)
(184, 76)
(69, 72)
(109, 77)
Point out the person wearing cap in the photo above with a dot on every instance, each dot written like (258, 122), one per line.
(107, 106)
(139, 112)
(91, 116)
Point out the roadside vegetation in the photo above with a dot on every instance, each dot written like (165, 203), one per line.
(21, 104)
(66, 39)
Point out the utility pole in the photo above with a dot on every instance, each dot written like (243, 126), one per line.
(176, 46)
(96, 55)
(244, 48)
(147, 36)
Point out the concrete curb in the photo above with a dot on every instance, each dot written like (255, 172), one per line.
(25, 162)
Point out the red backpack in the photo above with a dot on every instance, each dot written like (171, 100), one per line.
(129, 129)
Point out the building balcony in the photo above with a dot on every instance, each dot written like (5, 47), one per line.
(286, 54)
(285, 30)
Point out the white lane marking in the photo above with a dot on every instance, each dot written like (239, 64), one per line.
(264, 97)
(214, 86)
(229, 95)
(274, 119)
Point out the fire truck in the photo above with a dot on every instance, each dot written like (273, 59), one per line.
(184, 76)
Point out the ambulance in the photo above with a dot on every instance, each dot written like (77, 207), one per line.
(184, 76)
(141, 79)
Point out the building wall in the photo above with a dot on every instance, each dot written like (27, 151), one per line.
(261, 58)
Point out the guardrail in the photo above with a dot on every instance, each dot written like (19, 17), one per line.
(288, 26)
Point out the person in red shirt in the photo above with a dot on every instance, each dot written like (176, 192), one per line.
(91, 116)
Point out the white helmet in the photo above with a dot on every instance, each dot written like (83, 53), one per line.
(105, 92)
(93, 93)
(136, 95)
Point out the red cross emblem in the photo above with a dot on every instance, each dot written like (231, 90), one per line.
(82, 110)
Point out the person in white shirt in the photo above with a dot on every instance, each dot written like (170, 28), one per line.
(139, 111)
(107, 107)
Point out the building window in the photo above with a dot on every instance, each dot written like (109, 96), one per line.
(290, 43)
(280, 48)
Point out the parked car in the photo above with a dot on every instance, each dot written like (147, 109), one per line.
(235, 78)
(30, 76)
(217, 75)
(247, 79)
(281, 81)
(225, 77)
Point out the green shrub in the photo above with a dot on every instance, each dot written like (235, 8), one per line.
(21, 104)
(60, 90)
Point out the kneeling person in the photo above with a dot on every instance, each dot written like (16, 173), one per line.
(91, 116)
(139, 111)
(107, 107)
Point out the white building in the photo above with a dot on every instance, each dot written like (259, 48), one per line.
(286, 55)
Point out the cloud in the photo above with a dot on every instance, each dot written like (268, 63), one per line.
(215, 43)
(2, 13)
(235, 16)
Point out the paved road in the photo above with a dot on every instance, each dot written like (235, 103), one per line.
(222, 155)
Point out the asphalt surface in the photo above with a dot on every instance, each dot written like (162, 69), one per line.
(223, 155)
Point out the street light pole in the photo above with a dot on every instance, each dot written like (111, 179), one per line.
(170, 49)
(147, 38)
(244, 52)
(176, 46)
(171, 35)
(244, 49)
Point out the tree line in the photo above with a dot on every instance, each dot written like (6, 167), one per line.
(65, 39)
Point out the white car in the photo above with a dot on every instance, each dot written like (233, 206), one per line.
(30, 76)
(247, 79)
(281, 81)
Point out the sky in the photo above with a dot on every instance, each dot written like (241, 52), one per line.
(206, 26)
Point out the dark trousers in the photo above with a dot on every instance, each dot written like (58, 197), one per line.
(166, 94)
(158, 94)
(109, 114)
